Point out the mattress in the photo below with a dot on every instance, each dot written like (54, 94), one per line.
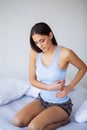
(8, 111)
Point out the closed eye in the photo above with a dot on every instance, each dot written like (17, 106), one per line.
(41, 40)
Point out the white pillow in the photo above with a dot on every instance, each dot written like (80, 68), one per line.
(81, 113)
(11, 89)
(32, 91)
(78, 96)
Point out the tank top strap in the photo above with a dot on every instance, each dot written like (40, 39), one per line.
(57, 53)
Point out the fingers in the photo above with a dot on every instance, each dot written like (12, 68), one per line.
(61, 81)
(61, 84)
(60, 94)
(58, 85)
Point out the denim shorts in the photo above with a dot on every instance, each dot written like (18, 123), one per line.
(67, 106)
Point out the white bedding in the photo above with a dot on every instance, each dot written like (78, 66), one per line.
(8, 111)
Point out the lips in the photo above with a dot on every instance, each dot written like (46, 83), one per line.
(43, 49)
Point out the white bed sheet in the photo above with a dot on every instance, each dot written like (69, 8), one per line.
(8, 111)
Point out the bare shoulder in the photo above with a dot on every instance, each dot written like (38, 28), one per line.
(69, 53)
(32, 56)
(66, 52)
(33, 53)
(72, 57)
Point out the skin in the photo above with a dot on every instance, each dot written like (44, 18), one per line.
(51, 118)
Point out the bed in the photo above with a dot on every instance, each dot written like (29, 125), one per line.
(10, 107)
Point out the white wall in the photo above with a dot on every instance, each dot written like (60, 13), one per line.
(67, 18)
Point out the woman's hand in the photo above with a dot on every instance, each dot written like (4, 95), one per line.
(62, 93)
(57, 85)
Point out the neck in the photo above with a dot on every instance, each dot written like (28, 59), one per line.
(50, 50)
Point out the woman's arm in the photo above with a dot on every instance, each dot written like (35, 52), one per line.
(32, 75)
(32, 71)
(73, 59)
(80, 65)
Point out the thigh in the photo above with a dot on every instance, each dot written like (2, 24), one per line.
(27, 113)
(50, 115)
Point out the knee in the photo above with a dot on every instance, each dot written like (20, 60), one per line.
(18, 122)
(34, 126)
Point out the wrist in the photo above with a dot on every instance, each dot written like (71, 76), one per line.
(48, 87)
(69, 88)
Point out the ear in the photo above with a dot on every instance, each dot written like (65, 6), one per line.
(51, 35)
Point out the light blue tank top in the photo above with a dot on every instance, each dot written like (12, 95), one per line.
(49, 75)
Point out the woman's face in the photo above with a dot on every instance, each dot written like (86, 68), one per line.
(43, 41)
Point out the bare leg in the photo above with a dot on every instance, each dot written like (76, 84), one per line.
(25, 115)
(56, 125)
(47, 118)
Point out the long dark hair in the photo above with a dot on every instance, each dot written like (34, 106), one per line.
(42, 29)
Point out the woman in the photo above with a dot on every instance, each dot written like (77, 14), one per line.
(47, 71)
